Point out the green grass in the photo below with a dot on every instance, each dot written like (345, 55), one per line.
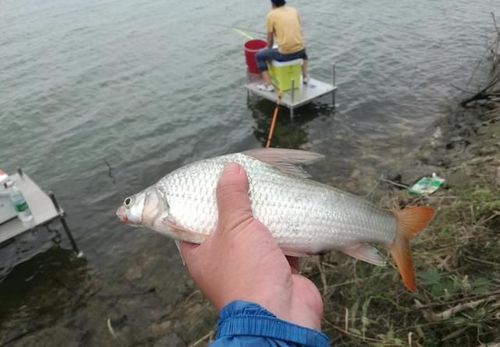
(458, 275)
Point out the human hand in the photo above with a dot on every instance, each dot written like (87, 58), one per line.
(242, 261)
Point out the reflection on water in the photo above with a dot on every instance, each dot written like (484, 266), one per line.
(55, 286)
(288, 132)
(23, 247)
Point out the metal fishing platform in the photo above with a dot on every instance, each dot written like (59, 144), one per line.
(44, 208)
(296, 97)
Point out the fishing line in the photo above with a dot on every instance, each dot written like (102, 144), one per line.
(239, 31)
(110, 171)
(244, 30)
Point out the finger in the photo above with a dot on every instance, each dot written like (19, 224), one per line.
(232, 198)
(294, 264)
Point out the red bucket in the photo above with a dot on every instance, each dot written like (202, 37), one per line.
(251, 48)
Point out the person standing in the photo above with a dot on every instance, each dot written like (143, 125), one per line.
(283, 25)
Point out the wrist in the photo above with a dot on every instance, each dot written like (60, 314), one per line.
(273, 302)
(242, 318)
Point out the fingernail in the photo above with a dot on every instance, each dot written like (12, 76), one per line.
(232, 168)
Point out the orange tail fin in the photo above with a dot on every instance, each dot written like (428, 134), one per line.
(410, 222)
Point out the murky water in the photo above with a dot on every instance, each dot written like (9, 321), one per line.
(146, 86)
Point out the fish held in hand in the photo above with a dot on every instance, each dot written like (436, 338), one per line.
(305, 217)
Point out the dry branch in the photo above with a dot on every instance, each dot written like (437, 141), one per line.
(490, 90)
(446, 314)
(204, 338)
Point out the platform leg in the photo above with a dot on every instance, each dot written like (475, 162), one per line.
(78, 252)
(333, 73)
(291, 113)
(334, 85)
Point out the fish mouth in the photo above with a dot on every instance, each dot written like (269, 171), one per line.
(122, 215)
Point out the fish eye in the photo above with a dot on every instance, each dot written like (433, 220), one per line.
(128, 202)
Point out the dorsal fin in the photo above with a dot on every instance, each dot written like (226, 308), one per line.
(286, 160)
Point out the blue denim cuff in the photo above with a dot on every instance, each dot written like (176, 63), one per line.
(242, 318)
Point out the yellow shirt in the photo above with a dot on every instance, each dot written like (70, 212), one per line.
(284, 23)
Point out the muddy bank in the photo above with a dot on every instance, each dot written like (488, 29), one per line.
(469, 145)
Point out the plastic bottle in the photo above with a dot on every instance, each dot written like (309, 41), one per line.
(19, 202)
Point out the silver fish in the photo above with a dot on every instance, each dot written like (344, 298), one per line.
(304, 216)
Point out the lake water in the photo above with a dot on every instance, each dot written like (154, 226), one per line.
(146, 86)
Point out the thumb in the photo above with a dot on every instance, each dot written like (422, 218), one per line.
(232, 198)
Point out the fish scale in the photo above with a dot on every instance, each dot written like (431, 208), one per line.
(302, 215)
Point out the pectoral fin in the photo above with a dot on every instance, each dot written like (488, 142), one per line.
(178, 245)
(184, 234)
(293, 253)
(364, 252)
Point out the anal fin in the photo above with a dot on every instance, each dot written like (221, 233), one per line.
(364, 252)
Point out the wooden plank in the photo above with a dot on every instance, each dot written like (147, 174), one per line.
(40, 204)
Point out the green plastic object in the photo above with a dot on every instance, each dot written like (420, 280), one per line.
(426, 185)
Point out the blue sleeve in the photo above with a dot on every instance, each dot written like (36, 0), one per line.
(245, 324)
